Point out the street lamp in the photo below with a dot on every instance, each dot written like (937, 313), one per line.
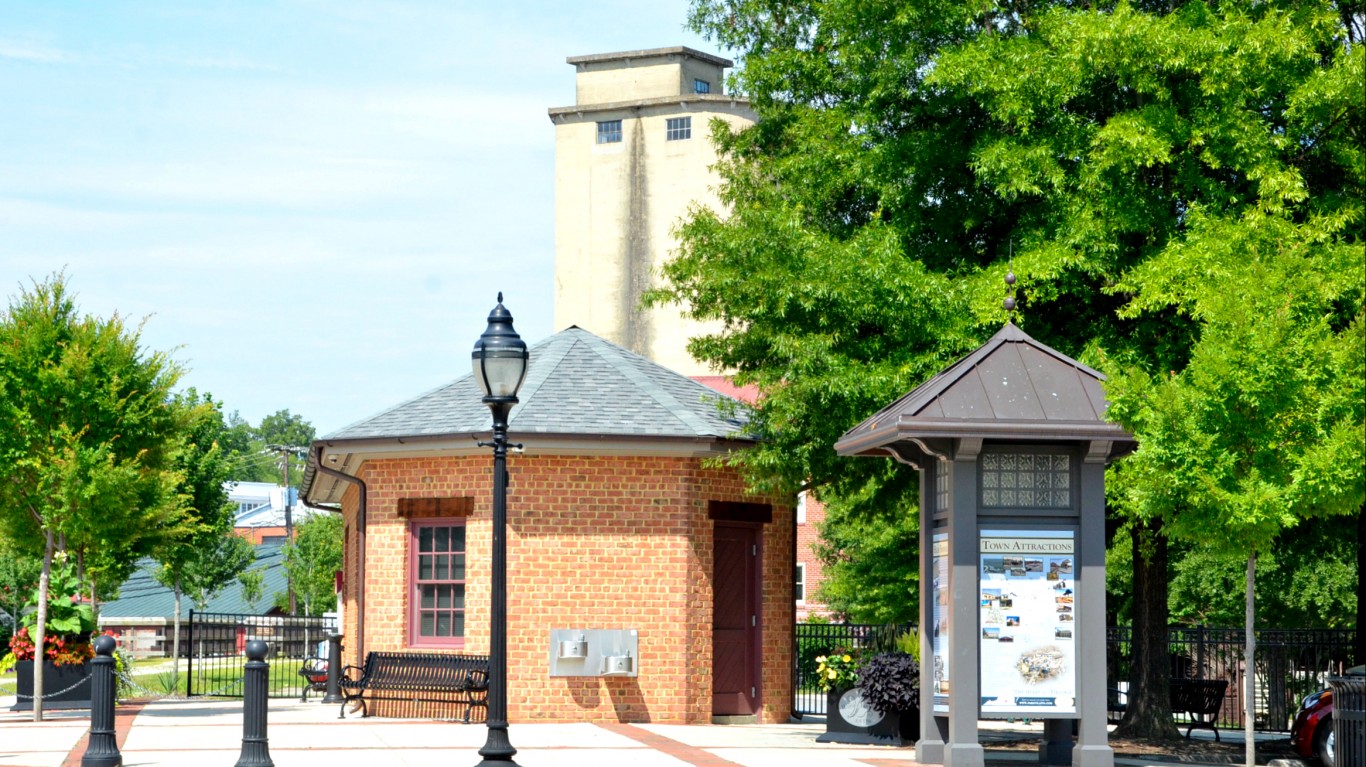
(500, 361)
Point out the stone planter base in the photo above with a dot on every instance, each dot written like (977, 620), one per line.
(898, 729)
(55, 679)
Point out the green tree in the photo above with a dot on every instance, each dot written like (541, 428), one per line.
(18, 577)
(258, 452)
(1202, 160)
(208, 556)
(253, 585)
(907, 154)
(313, 560)
(1262, 429)
(87, 436)
(871, 565)
(286, 435)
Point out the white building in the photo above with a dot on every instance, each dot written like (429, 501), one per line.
(631, 155)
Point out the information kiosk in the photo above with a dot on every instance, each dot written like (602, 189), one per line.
(1011, 444)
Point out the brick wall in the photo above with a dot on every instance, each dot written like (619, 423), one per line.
(807, 537)
(593, 542)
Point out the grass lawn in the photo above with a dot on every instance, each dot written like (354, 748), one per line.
(224, 676)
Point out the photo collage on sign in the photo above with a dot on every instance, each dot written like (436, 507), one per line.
(1027, 620)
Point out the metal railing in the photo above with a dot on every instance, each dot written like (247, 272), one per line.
(1290, 664)
(816, 639)
(215, 642)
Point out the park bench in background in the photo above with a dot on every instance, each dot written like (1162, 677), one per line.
(1198, 699)
(314, 672)
(438, 678)
(1201, 700)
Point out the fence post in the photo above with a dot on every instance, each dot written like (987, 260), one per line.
(102, 749)
(189, 658)
(256, 689)
(334, 664)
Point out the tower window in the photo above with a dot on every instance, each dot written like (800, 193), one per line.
(678, 129)
(609, 132)
(701, 86)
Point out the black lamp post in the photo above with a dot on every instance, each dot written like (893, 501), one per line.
(500, 361)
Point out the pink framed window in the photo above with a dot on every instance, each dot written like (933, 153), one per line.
(436, 574)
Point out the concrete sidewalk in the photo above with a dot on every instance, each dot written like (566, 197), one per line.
(201, 733)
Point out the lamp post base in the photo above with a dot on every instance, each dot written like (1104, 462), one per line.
(497, 750)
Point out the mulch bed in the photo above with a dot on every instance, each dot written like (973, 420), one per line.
(1180, 749)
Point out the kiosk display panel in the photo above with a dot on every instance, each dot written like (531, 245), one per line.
(1028, 622)
(940, 640)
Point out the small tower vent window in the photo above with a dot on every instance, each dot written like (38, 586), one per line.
(701, 86)
(678, 129)
(609, 132)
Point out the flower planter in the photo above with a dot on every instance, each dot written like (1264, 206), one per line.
(56, 679)
(848, 719)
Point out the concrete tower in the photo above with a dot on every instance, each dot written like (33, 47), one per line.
(630, 156)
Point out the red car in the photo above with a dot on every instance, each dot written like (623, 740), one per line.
(1312, 733)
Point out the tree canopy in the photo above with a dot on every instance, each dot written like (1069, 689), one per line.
(1178, 187)
(255, 450)
(313, 560)
(88, 438)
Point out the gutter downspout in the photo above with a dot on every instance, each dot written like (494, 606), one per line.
(360, 554)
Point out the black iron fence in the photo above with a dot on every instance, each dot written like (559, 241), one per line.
(817, 639)
(215, 643)
(1290, 664)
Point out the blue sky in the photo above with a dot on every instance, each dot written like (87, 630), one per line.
(313, 203)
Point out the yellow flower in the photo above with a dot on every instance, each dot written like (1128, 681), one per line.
(848, 659)
(832, 674)
(820, 658)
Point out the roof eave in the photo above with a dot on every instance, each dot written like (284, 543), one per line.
(907, 428)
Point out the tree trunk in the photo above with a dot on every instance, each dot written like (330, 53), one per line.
(94, 604)
(175, 644)
(40, 630)
(1249, 662)
(1149, 712)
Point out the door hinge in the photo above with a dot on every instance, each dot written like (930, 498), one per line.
(753, 692)
(754, 620)
(754, 550)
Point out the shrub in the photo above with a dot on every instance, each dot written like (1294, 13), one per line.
(810, 649)
(890, 682)
(837, 672)
(909, 642)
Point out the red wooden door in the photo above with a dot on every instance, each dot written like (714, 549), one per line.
(735, 621)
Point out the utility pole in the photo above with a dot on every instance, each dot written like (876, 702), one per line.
(285, 450)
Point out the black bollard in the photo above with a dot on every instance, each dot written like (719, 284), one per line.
(255, 696)
(103, 748)
(333, 669)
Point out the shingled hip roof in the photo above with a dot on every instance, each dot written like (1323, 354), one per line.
(582, 395)
(577, 384)
(1010, 387)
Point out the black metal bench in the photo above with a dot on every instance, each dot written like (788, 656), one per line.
(1201, 700)
(417, 678)
(314, 672)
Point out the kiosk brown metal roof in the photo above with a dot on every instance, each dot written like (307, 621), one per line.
(1012, 387)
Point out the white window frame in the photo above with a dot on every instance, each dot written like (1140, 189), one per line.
(801, 581)
(609, 136)
(801, 508)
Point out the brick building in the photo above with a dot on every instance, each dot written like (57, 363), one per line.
(615, 521)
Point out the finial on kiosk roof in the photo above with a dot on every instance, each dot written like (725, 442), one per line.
(1010, 281)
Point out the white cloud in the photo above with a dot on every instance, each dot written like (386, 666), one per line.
(32, 52)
